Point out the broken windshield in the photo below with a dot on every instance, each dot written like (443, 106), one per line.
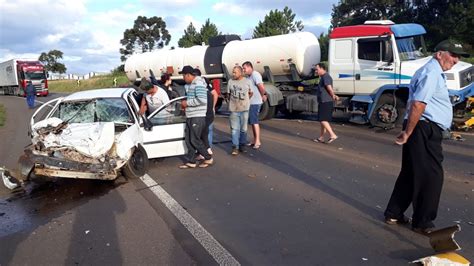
(411, 48)
(98, 110)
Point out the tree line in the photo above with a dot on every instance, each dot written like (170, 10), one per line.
(442, 19)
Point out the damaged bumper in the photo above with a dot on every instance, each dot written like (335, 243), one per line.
(48, 166)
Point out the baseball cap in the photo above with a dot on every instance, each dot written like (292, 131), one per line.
(187, 70)
(451, 46)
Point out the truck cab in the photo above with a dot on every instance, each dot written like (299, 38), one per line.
(372, 65)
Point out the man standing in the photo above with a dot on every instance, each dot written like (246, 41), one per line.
(429, 113)
(30, 92)
(326, 98)
(239, 103)
(196, 107)
(259, 96)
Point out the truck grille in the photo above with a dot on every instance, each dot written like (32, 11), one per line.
(466, 77)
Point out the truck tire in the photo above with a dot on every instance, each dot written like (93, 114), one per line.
(137, 165)
(388, 112)
(266, 111)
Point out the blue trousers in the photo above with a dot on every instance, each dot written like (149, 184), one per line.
(238, 127)
(30, 100)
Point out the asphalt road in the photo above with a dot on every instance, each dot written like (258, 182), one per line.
(292, 202)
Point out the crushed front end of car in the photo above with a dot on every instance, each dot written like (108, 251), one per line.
(75, 150)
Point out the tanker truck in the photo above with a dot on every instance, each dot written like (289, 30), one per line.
(15, 73)
(371, 65)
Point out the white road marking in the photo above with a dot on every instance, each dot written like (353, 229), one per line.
(212, 246)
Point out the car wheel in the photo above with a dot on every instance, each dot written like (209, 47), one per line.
(388, 112)
(137, 165)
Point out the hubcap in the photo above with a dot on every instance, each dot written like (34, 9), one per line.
(387, 113)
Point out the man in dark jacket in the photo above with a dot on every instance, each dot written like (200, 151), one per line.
(30, 94)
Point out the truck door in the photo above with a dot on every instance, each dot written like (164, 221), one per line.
(374, 64)
(167, 135)
(341, 68)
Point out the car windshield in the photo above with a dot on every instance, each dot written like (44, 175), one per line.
(411, 48)
(35, 75)
(97, 110)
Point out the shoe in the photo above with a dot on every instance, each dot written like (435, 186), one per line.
(249, 144)
(319, 140)
(330, 140)
(242, 149)
(200, 157)
(188, 166)
(393, 221)
(235, 151)
(210, 151)
(204, 165)
(422, 231)
(256, 147)
(209, 162)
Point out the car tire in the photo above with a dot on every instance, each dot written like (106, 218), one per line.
(137, 165)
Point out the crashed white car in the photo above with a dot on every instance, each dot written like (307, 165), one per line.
(99, 133)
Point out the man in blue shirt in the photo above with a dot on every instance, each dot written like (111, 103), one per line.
(429, 113)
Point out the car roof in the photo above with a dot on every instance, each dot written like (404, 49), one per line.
(99, 93)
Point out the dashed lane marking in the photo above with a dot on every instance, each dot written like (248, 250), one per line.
(212, 246)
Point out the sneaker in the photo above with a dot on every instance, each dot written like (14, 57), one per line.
(242, 149)
(235, 151)
(393, 221)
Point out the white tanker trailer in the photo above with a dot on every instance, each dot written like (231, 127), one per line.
(284, 61)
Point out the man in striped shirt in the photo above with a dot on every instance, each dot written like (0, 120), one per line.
(195, 106)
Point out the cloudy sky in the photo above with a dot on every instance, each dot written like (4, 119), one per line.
(88, 32)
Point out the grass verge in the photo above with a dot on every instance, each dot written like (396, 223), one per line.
(99, 82)
(3, 115)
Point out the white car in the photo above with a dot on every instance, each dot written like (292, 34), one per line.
(98, 133)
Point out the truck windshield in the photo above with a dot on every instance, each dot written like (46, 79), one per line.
(35, 75)
(99, 110)
(411, 48)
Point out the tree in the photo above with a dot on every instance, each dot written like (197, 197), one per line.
(50, 61)
(442, 19)
(192, 37)
(146, 35)
(324, 45)
(276, 23)
(207, 31)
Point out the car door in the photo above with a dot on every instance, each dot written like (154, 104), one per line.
(166, 137)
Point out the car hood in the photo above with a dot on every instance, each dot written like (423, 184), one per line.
(89, 139)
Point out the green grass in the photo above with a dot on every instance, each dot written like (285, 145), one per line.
(2, 115)
(99, 82)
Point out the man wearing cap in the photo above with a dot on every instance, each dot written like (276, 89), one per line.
(154, 97)
(429, 113)
(195, 106)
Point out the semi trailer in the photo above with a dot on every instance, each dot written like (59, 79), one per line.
(15, 73)
(371, 65)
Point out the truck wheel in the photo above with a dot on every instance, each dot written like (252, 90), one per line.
(137, 165)
(266, 111)
(388, 111)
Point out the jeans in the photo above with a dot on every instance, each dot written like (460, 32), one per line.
(30, 100)
(193, 133)
(238, 127)
(210, 134)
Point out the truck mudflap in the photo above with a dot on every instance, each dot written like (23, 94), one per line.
(58, 167)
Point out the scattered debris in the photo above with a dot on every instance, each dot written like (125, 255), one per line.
(252, 175)
(378, 207)
(470, 223)
(450, 258)
(87, 231)
(9, 181)
(457, 137)
(365, 259)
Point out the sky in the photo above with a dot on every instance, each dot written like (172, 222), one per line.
(88, 32)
